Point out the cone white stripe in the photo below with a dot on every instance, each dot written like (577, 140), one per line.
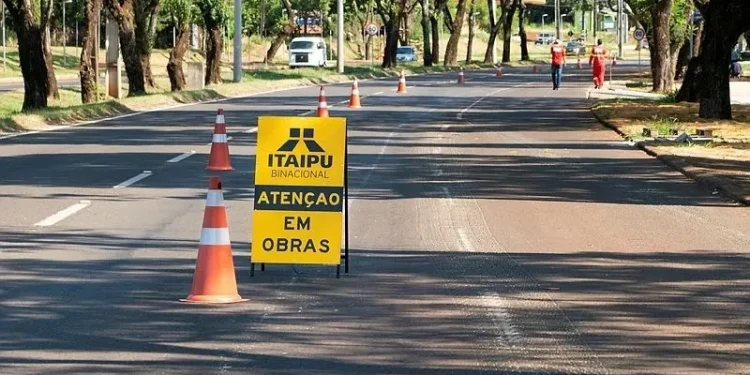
(215, 198)
(322, 105)
(220, 138)
(220, 119)
(215, 236)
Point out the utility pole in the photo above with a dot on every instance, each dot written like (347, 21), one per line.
(237, 41)
(5, 64)
(340, 35)
(494, 17)
(620, 22)
(557, 19)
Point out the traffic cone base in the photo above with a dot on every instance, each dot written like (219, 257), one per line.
(461, 77)
(214, 280)
(354, 101)
(218, 159)
(322, 103)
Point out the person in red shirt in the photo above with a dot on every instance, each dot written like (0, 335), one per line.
(558, 60)
(598, 60)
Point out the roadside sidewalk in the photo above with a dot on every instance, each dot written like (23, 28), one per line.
(722, 164)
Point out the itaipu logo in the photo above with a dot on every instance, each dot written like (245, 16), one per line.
(300, 165)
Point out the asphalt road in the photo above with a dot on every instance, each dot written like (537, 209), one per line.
(496, 228)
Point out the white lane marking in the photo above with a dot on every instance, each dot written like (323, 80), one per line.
(182, 157)
(501, 319)
(133, 180)
(445, 126)
(251, 130)
(460, 115)
(377, 93)
(377, 161)
(468, 246)
(210, 143)
(62, 215)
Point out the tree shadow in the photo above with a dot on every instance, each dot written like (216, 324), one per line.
(397, 312)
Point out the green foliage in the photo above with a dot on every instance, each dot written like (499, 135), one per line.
(183, 11)
(275, 16)
(213, 13)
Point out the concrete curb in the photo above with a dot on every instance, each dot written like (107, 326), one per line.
(719, 184)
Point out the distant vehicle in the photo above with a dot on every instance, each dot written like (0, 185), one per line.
(406, 54)
(307, 51)
(576, 48)
(545, 38)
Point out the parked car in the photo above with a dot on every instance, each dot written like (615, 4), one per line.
(307, 51)
(545, 38)
(406, 54)
(576, 48)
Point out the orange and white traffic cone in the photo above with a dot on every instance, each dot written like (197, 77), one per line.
(214, 279)
(401, 83)
(499, 73)
(461, 76)
(322, 104)
(614, 62)
(354, 98)
(579, 66)
(218, 159)
(536, 68)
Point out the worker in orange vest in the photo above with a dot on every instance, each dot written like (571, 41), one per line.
(558, 61)
(598, 60)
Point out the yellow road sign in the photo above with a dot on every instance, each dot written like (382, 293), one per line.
(299, 190)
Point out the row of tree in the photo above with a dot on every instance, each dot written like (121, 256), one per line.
(670, 28)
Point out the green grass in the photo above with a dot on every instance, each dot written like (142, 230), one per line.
(63, 67)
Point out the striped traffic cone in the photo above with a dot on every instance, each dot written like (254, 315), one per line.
(322, 104)
(579, 66)
(354, 98)
(214, 279)
(401, 83)
(218, 159)
(536, 68)
(461, 76)
(499, 73)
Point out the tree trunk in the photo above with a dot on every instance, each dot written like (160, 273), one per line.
(690, 90)
(451, 50)
(123, 15)
(435, 26)
(88, 51)
(680, 60)
(698, 44)
(391, 42)
(471, 32)
(522, 31)
(174, 67)
(427, 51)
(663, 77)
(494, 29)
(146, 17)
(508, 13)
(52, 90)
(214, 46)
(276, 44)
(31, 54)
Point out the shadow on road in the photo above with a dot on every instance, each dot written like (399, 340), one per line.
(643, 313)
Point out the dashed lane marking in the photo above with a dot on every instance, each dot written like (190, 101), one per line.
(182, 157)
(133, 180)
(63, 214)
